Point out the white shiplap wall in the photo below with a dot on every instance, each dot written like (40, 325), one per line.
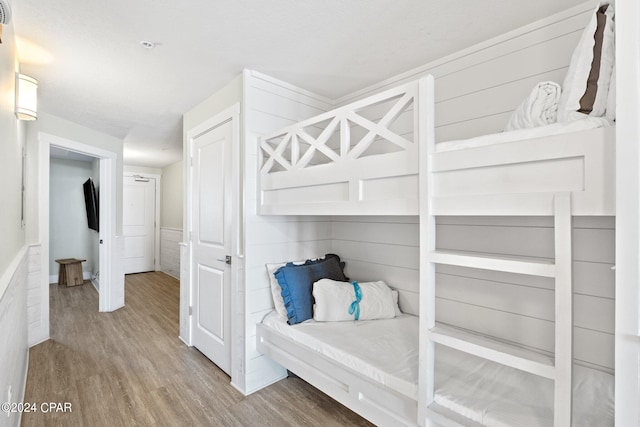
(268, 106)
(476, 91)
(381, 248)
(170, 239)
(520, 308)
(14, 352)
(37, 310)
(478, 88)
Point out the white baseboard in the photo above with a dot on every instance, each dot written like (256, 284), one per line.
(96, 284)
(174, 274)
(86, 275)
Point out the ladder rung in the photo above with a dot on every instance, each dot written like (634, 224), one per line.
(496, 351)
(496, 263)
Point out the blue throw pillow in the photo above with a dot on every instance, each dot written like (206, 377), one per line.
(297, 282)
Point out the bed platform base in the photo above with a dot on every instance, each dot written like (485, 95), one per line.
(372, 400)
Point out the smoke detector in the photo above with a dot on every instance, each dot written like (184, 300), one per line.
(5, 12)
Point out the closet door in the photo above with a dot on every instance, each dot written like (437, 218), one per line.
(139, 224)
(211, 243)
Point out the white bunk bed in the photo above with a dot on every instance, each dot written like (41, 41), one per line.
(559, 175)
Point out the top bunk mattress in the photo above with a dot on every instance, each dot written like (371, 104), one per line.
(524, 134)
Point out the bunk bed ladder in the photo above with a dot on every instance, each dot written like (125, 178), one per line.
(559, 371)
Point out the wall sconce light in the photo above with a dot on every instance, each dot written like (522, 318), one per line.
(26, 98)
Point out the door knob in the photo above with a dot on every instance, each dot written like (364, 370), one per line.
(226, 259)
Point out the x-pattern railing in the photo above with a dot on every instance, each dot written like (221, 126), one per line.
(340, 120)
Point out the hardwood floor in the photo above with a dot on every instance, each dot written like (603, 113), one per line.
(128, 368)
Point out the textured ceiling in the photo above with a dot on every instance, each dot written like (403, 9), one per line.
(92, 70)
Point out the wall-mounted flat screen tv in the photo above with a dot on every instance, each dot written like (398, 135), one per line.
(91, 204)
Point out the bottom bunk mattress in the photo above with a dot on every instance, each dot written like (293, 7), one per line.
(386, 351)
(496, 395)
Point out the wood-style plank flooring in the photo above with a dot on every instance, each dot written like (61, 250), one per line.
(128, 368)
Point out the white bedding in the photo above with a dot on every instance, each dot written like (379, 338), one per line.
(486, 392)
(498, 396)
(523, 134)
(384, 350)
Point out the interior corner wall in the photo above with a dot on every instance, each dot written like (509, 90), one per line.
(69, 233)
(172, 193)
(171, 218)
(13, 252)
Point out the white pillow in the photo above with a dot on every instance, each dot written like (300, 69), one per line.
(278, 302)
(575, 85)
(333, 299)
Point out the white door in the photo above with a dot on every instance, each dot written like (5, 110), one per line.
(138, 224)
(211, 243)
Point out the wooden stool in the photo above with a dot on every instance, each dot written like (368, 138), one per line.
(70, 272)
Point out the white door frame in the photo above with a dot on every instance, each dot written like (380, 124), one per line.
(156, 228)
(186, 283)
(111, 285)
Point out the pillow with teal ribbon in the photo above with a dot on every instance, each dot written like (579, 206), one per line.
(297, 282)
(340, 301)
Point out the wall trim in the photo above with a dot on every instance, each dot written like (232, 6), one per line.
(7, 275)
(86, 275)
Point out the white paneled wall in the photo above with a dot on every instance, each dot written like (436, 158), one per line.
(512, 307)
(478, 88)
(520, 308)
(170, 239)
(269, 106)
(13, 323)
(37, 310)
(381, 248)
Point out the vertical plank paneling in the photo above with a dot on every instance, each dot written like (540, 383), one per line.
(272, 239)
(170, 251)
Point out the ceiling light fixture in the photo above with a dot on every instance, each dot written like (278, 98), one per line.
(147, 45)
(26, 97)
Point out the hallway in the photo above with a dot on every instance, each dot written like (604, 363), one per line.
(130, 368)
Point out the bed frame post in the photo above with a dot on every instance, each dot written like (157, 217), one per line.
(424, 123)
(563, 311)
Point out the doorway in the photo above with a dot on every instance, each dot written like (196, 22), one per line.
(211, 222)
(72, 215)
(111, 293)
